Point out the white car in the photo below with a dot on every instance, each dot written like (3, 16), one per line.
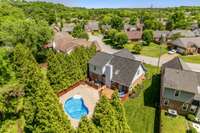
(173, 51)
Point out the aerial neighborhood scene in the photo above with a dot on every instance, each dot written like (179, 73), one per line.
(94, 66)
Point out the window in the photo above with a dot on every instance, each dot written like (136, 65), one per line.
(166, 102)
(177, 93)
(184, 107)
(95, 68)
(193, 108)
(138, 72)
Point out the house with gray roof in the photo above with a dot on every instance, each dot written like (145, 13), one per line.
(196, 32)
(105, 27)
(129, 27)
(92, 26)
(68, 27)
(117, 71)
(182, 33)
(180, 88)
(186, 45)
(175, 63)
(158, 35)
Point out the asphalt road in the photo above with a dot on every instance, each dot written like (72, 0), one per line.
(146, 59)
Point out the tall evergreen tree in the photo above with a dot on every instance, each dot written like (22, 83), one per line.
(64, 70)
(42, 112)
(120, 114)
(105, 116)
(86, 126)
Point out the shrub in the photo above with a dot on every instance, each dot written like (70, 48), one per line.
(191, 117)
(137, 49)
(147, 37)
(192, 130)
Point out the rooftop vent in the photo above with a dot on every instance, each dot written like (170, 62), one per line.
(198, 89)
(116, 72)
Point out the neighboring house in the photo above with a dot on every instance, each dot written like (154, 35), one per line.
(64, 42)
(180, 89)
(136, 27)
(68, 28)
(158, 35)
(196, 32)
(183, 33)
(134, 35)
(194, 26)
(175, 63)
(186, 45)
(55, 28)
(128, 27)
(117, 71)
(105, 27)
(92, 26)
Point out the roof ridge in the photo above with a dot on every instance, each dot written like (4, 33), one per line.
(128, 58)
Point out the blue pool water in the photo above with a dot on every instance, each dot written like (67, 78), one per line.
(75, 107)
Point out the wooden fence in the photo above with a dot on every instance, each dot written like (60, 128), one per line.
(70, 88)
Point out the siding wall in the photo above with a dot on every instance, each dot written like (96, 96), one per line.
(183, 96)
(99, 70)
(140, 72)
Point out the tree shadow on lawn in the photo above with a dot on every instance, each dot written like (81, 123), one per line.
(152, 99)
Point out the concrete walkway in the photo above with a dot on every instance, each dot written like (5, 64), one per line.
(146, 59)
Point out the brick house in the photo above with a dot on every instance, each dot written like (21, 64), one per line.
(186, 45)
(180, 88)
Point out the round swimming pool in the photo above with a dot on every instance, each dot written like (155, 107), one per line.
(75, 107)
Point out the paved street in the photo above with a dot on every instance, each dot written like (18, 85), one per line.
(146, 59)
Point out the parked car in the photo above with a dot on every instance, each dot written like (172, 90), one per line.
(173, 51)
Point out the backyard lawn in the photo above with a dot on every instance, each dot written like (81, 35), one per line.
(152, 50)
(175, 124)
(191, 58)
(141, 112)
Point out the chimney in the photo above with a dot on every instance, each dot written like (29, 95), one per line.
(54, 45)
(108, 74)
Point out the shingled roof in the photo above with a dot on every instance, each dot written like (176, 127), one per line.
(134, 35)
(64, 42)
(186, 42)
(100, 59)
(124, 69)
(176, 63)
(125, 53)
(183, 33)
(124, 65)
(183, 80)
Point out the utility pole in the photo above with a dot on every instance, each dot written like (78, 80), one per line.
(161, 42)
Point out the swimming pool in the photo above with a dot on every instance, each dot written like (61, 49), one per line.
(75, 107)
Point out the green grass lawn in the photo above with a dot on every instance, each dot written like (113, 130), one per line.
(192, 58)
(153, 50)
(141, 113)
(175, 124)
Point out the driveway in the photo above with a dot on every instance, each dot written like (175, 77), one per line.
(146, 59)
(104, 48)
